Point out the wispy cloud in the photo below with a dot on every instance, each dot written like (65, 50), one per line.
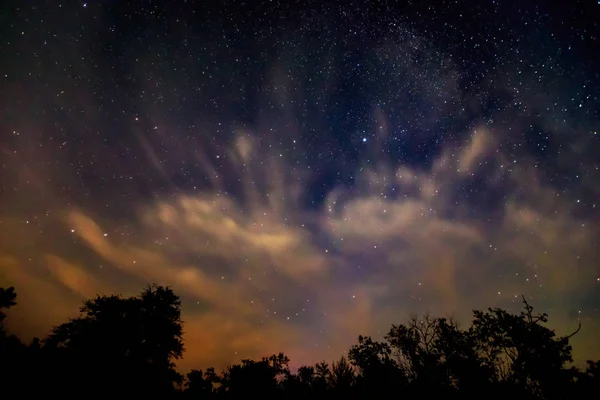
(255, 280)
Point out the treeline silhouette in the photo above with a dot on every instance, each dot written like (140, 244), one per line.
(126, 348)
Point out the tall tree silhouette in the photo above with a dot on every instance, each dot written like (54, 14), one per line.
(11, 348)
(378, 370)
(255, 378)
(299, 385)
(589, 380)
(459, 358)
(526, 355)
(322, 379)
(417, 349)
(8, 298)
(201, 385)
(123, 345)
(342, 377)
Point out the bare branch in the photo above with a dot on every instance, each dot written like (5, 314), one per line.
(574, 333)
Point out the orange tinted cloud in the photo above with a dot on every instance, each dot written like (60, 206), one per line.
(255, 281)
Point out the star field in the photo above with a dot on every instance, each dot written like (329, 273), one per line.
(301, 174)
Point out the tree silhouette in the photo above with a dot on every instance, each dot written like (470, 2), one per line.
(299, 385)
(378, 370)
(306, 378)
(124, 343)
(589, 380)
(342, 376)
(12, 351)
(526, 356)
(418, 350)
(322, 378)
(255, 378)
(126, 347)
(201, 385)
(460, 360)
(8, 298)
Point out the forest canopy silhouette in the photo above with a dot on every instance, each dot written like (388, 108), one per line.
(127, 346)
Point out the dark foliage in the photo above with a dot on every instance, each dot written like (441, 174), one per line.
(126, 347)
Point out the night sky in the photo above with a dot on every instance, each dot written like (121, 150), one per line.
(301, 175)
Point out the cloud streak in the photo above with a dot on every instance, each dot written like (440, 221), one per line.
(262, 284)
